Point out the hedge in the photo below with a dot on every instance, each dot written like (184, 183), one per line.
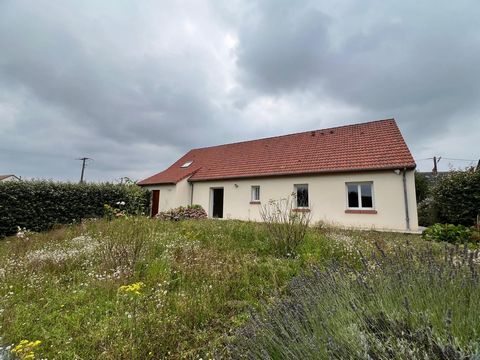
(40, 205)
(456, 197)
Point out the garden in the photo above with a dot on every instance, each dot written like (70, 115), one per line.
(123, 286)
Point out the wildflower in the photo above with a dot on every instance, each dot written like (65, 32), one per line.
(132, 289)
(25, 350)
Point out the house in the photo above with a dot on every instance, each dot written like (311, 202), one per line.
(359, 176)
(432, 177)
(4, 178)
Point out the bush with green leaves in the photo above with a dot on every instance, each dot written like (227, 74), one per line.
(40, 205)
(457, 197)
(422, 186)
(454, 234)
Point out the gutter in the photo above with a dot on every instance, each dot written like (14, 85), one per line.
(405, 196)
(191, 193)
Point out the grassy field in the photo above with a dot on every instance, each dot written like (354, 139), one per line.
(145, 289)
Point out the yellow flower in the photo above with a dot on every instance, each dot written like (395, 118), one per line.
(25, 350)
(132, 289)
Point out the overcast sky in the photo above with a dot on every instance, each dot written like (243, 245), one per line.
(135, 84)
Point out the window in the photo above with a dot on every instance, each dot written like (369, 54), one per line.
(187, 164)
(255, 194)
(301, 193)
(360, 195)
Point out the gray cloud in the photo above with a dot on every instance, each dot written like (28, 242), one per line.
(416, 62)
(134, 85)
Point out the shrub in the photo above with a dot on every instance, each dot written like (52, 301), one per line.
(390, 308)
(427, 212)
(286, 225)
(422, 187)
(121, 244)
(454, 234)
(457, 197)
(183, 213)
(39, 205)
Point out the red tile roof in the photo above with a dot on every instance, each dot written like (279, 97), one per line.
(368, 146)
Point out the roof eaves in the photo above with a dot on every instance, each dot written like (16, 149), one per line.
(313, 172)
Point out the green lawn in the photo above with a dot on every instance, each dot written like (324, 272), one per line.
(199, 282)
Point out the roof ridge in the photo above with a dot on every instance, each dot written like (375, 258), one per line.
(292, 134)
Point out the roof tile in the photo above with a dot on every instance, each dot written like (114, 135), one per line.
(367, 146)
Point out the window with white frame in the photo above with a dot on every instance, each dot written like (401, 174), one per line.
(301, 195)
(255, 193)
(360, 195)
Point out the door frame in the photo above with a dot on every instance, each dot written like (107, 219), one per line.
(210, 205)
(155, 191)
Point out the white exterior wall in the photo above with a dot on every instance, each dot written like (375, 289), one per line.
(10, 178)
(327, 198)
(172, 196)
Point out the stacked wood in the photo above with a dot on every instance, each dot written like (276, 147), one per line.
(183, 213)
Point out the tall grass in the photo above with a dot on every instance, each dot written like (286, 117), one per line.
(200, 277)
(405, 304)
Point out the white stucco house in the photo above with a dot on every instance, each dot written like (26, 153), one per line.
(10, 177)
(359, 176)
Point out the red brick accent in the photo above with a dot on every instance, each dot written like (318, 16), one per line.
(352, 211)
(305, 210)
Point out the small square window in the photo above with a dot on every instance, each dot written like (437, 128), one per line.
(360, 195)
(255, 193)
(301, 193)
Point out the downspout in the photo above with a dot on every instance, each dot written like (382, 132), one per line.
(407, 216)
(191, 193)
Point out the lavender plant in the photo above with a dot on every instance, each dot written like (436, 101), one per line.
(412, 305)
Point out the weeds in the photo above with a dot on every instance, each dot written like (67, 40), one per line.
(201, 278)
(286, 225)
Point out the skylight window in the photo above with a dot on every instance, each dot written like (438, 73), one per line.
(187, 164)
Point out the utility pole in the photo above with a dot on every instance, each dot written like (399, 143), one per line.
(84, 159)
(435, 162)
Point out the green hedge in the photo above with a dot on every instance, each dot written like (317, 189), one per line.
(39, 205)
(457, 197)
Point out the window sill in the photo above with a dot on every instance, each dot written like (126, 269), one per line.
(303, 210)
(360, 211)
(255, 202)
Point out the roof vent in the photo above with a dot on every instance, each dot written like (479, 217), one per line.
(312, 133)
(187, 164)
(331, 131)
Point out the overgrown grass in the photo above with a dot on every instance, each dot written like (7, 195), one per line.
(200, 279)
(199, 282)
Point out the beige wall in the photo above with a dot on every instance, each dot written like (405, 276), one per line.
(327, 198)
(172, 196)
(10, 178)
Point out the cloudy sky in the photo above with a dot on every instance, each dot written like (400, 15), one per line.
(135, 84)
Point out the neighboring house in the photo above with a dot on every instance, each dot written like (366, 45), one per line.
(9, 178)
(432, 177)
(358, 176)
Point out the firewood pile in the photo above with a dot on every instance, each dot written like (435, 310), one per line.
(183, 213)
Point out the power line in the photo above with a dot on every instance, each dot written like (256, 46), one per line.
(459, 159)
(431, 158)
